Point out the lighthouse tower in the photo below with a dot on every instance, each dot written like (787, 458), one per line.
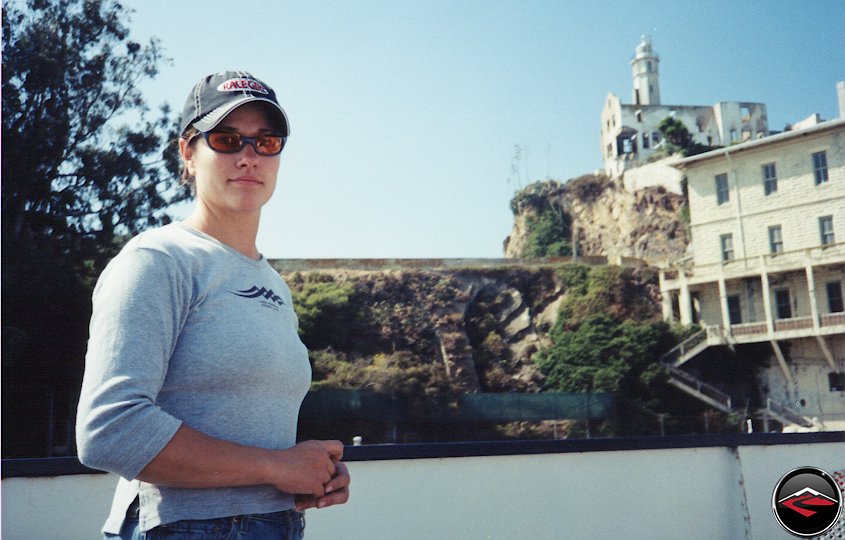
(644, 68)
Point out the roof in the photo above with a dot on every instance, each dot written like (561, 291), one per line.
(829, 125)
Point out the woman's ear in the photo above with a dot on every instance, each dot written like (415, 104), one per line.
(187, 153)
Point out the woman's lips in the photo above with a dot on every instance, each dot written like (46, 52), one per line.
(246, 180)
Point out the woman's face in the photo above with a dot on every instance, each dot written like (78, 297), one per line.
(237, 183)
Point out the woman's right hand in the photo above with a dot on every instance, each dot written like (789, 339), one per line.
(307, 467)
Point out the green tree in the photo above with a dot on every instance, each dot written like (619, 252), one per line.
(679, 137)
(603, 355)
(83, 169)
(598, 354)
(675, 133)
(548, 235)
(606, 340)
(324, 311)
(73, 180)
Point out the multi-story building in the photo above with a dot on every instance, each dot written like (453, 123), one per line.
(766, 274)
(629, 132)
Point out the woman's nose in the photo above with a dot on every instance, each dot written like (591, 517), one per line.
(248, 155)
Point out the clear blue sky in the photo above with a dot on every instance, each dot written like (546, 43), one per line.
(405, 114)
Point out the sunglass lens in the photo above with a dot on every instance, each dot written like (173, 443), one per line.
(269, 144)
(224, 142)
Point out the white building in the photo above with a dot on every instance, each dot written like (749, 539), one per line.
(766, 274)
(629, 134)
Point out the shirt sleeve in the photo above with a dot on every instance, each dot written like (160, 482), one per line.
(140, 304)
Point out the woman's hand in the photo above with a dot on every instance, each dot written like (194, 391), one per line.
(309, 468)
(336, 491)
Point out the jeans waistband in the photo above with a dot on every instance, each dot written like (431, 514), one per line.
(282, 516)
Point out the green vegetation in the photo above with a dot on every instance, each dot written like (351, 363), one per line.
(324, 310)
(606, 339)
(549, 228)
(679, 139)
(547, 236)
(382, 332)
(76, 184)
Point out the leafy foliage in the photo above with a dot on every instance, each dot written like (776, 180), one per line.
(532, 196)
(599, 354)
(606, 340)
(679, 138)
(76, 184)
(548, 226)
(398, 375)
(73, 180)
(323, 308)
(675, 133)
(614, 290)
(548, 235)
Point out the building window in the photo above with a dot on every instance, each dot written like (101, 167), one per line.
(770, 178)
(655, 137)
(836, 381)
(820, 167)
(826, 230)
(722, 193)
(782, 304)
(734, 309)
(775, 239)
(834, 297)
(645, 140)
(727, 241)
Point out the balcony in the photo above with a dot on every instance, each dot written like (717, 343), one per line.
(697, 487)
(754, 332)
(753, 266)
(796, 327)
(832, 319)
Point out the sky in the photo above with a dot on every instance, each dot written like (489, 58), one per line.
(405, 115)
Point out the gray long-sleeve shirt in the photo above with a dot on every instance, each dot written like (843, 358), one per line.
(186, 329)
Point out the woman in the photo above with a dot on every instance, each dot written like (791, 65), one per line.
(195, 373)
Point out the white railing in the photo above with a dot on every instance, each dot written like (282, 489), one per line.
(832, 319)
(795, 323)
(716, 396)
(783, 413)
(712, 335)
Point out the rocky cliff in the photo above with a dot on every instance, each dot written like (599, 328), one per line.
(477, 326)
(427, 336)
(598, 216)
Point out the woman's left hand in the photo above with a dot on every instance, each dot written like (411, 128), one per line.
(337, 491)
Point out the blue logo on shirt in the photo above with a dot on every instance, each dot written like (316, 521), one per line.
(256, 292)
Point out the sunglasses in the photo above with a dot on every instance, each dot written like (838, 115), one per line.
(229, 142)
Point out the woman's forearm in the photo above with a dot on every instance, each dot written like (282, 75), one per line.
(195, 460)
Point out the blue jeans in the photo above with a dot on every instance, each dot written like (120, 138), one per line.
(286, 525)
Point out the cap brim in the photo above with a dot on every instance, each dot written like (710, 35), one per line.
(212, 119)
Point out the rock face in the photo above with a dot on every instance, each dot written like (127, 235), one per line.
(482, 325)
(479, 324)
(606, 219)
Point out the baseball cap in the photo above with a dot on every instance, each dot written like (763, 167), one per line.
(217, 95)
